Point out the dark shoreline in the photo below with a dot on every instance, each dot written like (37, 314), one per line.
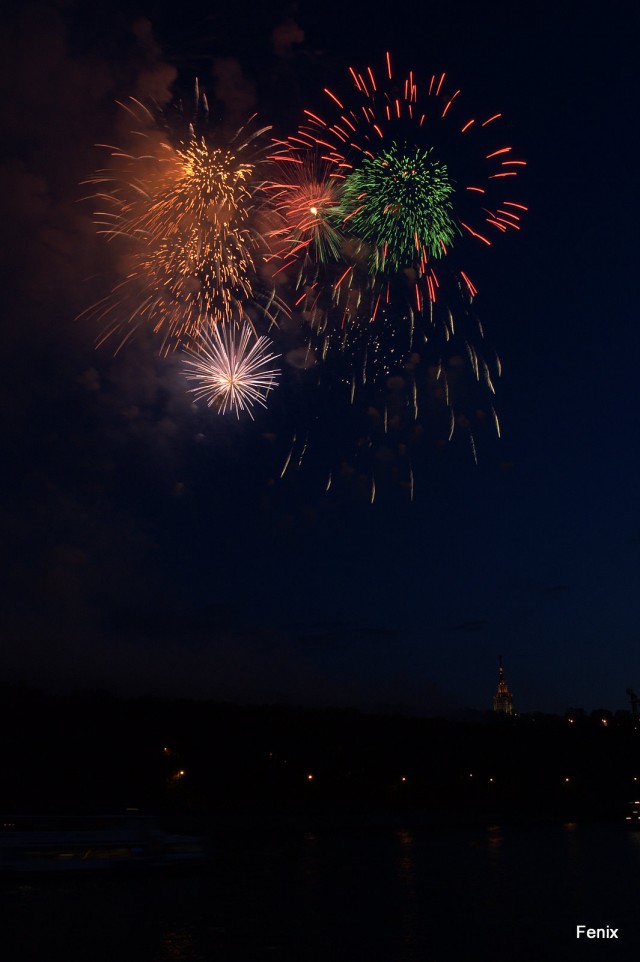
(91, 752)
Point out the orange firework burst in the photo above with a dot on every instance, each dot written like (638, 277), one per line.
(185, 214)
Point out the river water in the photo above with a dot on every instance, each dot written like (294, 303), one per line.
(377, 895)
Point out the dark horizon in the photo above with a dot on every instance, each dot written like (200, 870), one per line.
(436, 711)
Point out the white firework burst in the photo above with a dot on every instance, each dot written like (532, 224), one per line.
(229, 371)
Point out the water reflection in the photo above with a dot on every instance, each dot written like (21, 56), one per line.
(406, 877)
(423, 895)
(178, 945)
(635, 842)
(311, 852)
(495, 839)
(405, 859)
(570, 837)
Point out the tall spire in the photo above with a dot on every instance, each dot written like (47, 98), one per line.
(502, 700)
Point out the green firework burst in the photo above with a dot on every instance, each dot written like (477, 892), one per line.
(400, 203)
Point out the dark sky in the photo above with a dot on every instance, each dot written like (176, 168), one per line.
(150, 546)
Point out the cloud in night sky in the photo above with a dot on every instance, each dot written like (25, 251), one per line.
(234, 90)
(285, 36)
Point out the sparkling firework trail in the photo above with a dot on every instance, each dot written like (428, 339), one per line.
(229, 371)
(305, 199)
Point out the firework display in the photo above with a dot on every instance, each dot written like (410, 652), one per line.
(399, 202)
(414, 183)
(414, 174)
(230, 372)
(185, 212)
(305, 199)
(361, 220)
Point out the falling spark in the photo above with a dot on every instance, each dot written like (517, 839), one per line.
(286, 463)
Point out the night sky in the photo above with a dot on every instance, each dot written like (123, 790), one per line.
(149, 545)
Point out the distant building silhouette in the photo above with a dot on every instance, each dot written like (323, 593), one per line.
(502, 700)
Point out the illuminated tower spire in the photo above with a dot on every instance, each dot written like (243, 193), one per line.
(502, 700)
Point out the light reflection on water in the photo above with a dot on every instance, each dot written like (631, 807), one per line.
(178, 944)
(403, 895)
(409, 905)
(494, 839)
